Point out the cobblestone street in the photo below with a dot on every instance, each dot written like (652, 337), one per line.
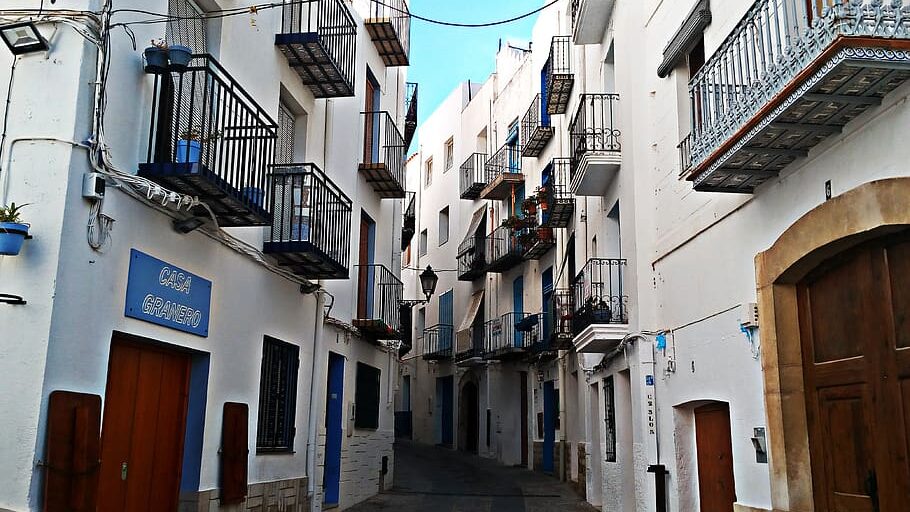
(429, 478)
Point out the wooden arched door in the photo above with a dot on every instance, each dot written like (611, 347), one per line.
(854, 316)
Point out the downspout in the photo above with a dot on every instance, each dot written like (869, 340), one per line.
(319, 329)
(562, 415)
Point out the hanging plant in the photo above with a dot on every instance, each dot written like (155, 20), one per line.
(529, 205)
(13, 230)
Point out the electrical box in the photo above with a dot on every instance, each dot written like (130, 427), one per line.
(93, 186)
(748, 315)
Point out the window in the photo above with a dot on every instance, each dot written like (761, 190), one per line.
(284, 153)
(609, 420)
(277, 396)
(428, 173)
(444, 225)
(450, 154)
(696, 57)
(421, 321)
(423, 243)
(366, 397)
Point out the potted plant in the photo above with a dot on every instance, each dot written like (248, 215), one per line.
(529, 205)
(180, 57)
(156, 57)
(189, 146)
(545, 233)
(527, 238)
(12, 230)
(513, 222)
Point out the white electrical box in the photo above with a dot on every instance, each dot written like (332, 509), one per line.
(93, 186)
(748, 314)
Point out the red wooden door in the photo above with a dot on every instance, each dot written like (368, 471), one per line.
(143, 428)
(855, 333)
(370, 120)
(365, 271)
(716, 489)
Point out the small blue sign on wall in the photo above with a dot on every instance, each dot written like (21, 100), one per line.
(163, 294)
(649, 380)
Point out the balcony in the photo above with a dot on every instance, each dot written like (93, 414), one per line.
(437, 343)
(536, 130)
(470, 350)
(511, 335)
(389, 26)
(600, 320)
(319, 40)
(410, 114)
(383, 155)
(409, 221)
(557, 204)
(590, 19)
(503, 250)
(503, 172)
(311, 225)
(208, 138)
(562, 311)
(594, 142)
(472, 262)
(791, 74)
(560, 79)
(379, 293)
(536, 241)
(473, 176)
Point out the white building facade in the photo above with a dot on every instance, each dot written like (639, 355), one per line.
(224, 329)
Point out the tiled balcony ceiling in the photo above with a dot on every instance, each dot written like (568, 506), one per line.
(536, 130)
(389, 26)
(383, 155)
(808, 90)
(410, 115)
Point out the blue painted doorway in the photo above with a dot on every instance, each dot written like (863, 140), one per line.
(549, 427)
(546, 285)
(544, 110)
(334, 416)
(446, 319)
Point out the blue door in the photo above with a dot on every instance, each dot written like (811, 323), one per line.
(446, 319)
(544, 114)
(334, 415)
(445, 394)
(512, 142)
(518, 307)
(549, 426)
(546, 285)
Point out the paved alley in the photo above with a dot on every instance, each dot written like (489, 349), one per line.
(442, 480)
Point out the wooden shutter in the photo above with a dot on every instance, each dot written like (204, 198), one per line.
(234, 453)
(73, 452)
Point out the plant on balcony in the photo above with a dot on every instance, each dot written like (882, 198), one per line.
(545, 233)
(513, 222)
(159, 57)
(12, 230)
(189, 146)
(527, 238)
(529, 205)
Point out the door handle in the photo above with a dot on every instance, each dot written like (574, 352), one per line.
(123, 470)
(872, 489)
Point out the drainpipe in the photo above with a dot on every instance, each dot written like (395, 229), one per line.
(319, 328)
(562, 415)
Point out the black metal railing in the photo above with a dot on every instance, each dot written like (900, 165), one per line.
(379, 294)
(505, 161)
(503, 250)
(562, 314)
(383, 144)
(536, 129)
(560, 57)
(599, 294)
(473, 176)
(575, 6)
(593, 128)
(330, 24)
(395, 12)
(410, 113)
(511, 333)
(557, 203)
(309, 209)
(409, 220)
(471, 258)
(438, 342)
(202, 115)
(559, 77)
(685, 154)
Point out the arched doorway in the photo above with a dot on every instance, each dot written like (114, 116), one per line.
(834, 299)
(468, 417)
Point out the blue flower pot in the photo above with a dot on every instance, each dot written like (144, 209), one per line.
(11, 237)
(155, 60)
(188, 151)
(180, 57)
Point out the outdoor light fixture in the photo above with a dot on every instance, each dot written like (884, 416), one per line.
(428, 280)
(23, 38)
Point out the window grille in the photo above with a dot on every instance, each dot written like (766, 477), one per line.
(610, 420)
(286, 128)
(277, 396)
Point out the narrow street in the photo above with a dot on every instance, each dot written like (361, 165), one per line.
(442, 480)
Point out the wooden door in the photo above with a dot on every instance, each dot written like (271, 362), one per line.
(855, 334)
(523, 400)
(143, 428)
(372, 121)
(366, 273)
(714, 445)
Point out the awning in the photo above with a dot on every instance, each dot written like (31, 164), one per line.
(476, 220)
(463, 336)
(686, 37)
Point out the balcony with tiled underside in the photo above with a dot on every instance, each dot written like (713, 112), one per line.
(559, 76)
(438, 342)
(503, 172)
(389, 26)
(536, 129)
(383, 155)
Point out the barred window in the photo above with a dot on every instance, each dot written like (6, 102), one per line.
(609, 419)
(187, 25)
(286, 131)
(277, 396)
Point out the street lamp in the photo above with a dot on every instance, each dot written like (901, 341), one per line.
(23, 38)
(428, 280)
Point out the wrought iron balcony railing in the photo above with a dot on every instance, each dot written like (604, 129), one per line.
(209, 138)
(319, 39)
(562, 313)
(389, 25)
(503, 171)
(311, 225)
(536, 130)
(560, 79)
(379, 293)
(511, 335)
(557, 203)
(409, 221)
(791, 73)
(503, 251)
(438, 342)
(472, 262)
(410, 113)
(383, 155)
(599, 294)
(472, 350)
(593, 128)
(536, 241)
(473, 176)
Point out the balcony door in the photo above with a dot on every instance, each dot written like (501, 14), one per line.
(518, 306)
(372, 121)
(446, 320)
(544, 91)
(367, 274)
(546, 286)
(514, 152)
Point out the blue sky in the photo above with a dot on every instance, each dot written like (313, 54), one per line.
(442, 57)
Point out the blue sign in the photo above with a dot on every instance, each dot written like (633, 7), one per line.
(649, 380)
(163, 294)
